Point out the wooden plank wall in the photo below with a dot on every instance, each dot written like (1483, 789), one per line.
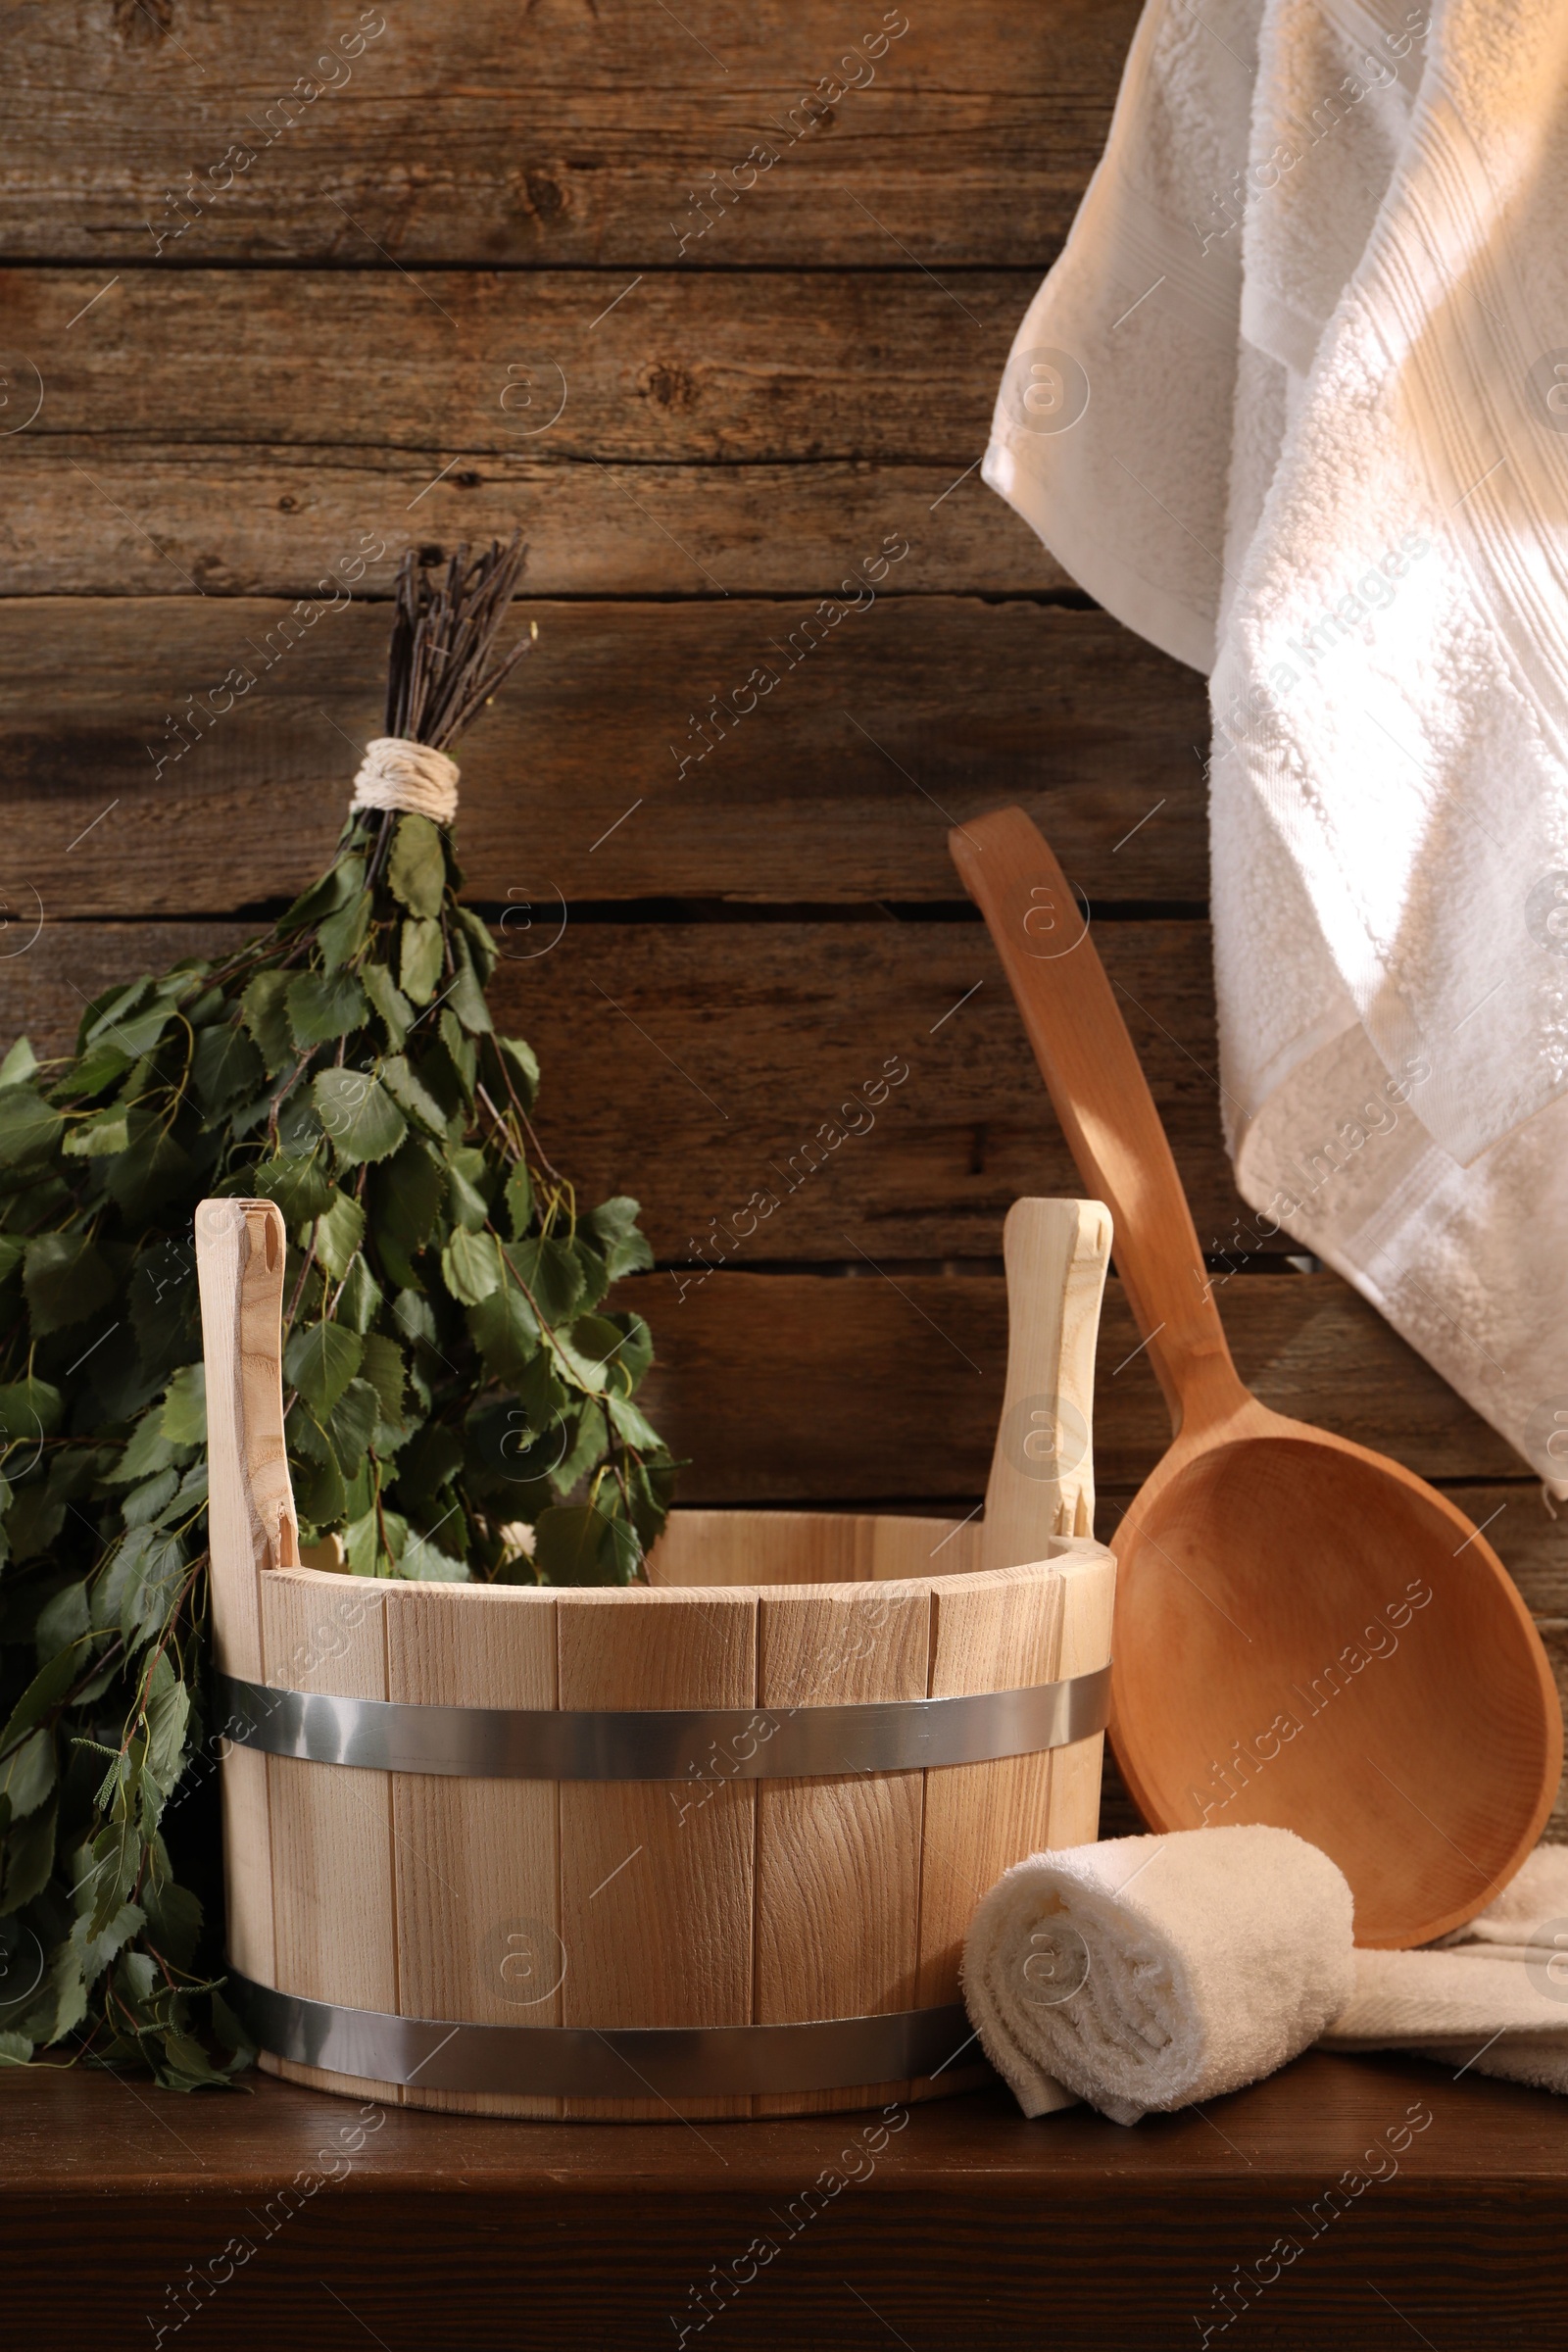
(713, 305)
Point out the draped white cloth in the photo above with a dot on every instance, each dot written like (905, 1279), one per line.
(1293, 405)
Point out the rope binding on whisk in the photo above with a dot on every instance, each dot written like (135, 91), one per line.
(441, 672)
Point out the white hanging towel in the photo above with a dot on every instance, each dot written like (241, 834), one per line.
(1293, 405)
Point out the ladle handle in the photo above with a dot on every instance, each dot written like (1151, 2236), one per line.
(1103, 1103)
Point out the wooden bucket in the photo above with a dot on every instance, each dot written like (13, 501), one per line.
(706, 1848)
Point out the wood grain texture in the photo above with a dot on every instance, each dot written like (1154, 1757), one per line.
(839, 1858)
(974, 2223)
(714, 368)
(478, 1862)
(231, 1261)
(722, 1388)
(1529, 1532)
(656, 1901)
(806, 1548)
(998, 1630)
(959, 701)
(565, 136)
(1088, 1606)
(713, 429)
(237, 1257)
(1042, 1481)
(333, 1836)
(744, 1081)
(161, 521)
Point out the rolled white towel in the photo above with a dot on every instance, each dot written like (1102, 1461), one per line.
(1145, 1974)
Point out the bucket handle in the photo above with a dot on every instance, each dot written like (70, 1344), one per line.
(1042, 1479)
(240, 1254)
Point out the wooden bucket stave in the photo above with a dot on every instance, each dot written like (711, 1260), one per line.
(707, 1902)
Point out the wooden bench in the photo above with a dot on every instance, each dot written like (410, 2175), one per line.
(967, 2226)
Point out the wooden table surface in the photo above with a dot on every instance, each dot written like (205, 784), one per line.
(969, 2227)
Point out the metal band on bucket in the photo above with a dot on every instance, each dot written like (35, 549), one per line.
(676, 1744)
(611, 2062)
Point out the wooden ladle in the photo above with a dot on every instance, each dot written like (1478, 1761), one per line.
(1305, 1632)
